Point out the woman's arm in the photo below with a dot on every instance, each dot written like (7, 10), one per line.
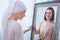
(49, 33)
(16, 33)
(52, 34)
(30, 28)
(37, 31)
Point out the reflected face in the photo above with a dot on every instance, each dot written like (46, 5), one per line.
(21, 14)
(48, 14)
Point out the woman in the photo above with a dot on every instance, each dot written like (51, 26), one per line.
(12, 29)
(47, 27)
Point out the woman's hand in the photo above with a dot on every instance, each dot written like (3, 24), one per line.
(30, 28)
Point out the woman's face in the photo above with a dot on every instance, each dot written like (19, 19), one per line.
(21, 14)
(48, 14)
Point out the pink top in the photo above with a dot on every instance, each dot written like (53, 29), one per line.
(47, 30)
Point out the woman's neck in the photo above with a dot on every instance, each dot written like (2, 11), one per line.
(49, 21)
(13, 18)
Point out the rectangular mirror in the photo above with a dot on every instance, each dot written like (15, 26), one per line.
(46, 21)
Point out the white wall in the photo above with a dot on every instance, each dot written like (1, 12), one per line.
(39, 1)
(3, 6)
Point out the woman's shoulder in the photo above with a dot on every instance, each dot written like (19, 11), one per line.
(13, 23)
(42, 22)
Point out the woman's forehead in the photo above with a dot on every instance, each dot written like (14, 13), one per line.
(48, 10)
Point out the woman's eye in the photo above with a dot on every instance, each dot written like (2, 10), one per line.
(49, 12)
(46, 12)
